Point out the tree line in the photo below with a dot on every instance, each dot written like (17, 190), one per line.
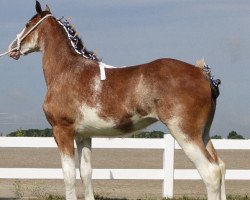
(31, 133)
(145, 134)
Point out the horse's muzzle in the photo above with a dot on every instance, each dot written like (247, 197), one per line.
(15, 54)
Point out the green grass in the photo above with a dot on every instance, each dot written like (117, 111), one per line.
(99, 197)
(238, 197)
(54, 197)
(229, 197)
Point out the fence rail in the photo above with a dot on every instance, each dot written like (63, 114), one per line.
(168, 174)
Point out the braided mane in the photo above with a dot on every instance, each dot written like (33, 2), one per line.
(75, 41)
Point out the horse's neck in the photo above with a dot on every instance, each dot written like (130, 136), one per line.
(57, 52)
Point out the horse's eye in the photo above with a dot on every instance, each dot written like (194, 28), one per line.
(27, 25)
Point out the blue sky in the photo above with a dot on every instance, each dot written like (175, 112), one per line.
(128, 32)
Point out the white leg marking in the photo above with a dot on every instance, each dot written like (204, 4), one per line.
(222, 166)
(223, 172)
(210, 172)
(84, 154)
(69, 173)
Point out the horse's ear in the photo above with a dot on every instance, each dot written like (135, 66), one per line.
(47, 8)
(38, 8)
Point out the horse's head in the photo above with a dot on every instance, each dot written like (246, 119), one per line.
(29, 40)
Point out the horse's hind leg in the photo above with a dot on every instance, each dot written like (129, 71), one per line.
(190, 139)
(84, 155)
(222, 165)
(64, 137)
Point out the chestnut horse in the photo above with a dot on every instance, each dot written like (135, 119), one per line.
(79, 105)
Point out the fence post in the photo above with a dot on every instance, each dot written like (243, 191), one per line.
(168, 166)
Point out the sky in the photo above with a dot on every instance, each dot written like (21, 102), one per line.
(129, 32)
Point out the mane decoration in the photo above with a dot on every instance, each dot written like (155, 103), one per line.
(75, 41)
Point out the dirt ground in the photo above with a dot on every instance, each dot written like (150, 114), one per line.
(109, 158)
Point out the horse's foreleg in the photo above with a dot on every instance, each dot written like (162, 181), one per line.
(84, 154)
(65, 140)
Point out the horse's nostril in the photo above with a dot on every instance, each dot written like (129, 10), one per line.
(15, 54)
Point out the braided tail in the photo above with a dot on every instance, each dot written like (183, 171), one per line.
(214, 83)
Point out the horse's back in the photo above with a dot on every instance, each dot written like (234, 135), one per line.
(160, 68)
(165, 84)
(169, 77)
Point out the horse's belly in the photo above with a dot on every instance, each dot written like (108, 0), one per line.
(92, 125)
(96, 132)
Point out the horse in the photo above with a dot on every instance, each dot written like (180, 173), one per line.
(79, 105)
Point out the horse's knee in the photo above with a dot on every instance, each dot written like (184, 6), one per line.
(222, 166)
(69, 172)
(85, 171)
(84, 151)
(86, 175)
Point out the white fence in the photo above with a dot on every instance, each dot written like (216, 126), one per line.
(168, 174)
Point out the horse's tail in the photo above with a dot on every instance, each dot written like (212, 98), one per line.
(214, 83)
